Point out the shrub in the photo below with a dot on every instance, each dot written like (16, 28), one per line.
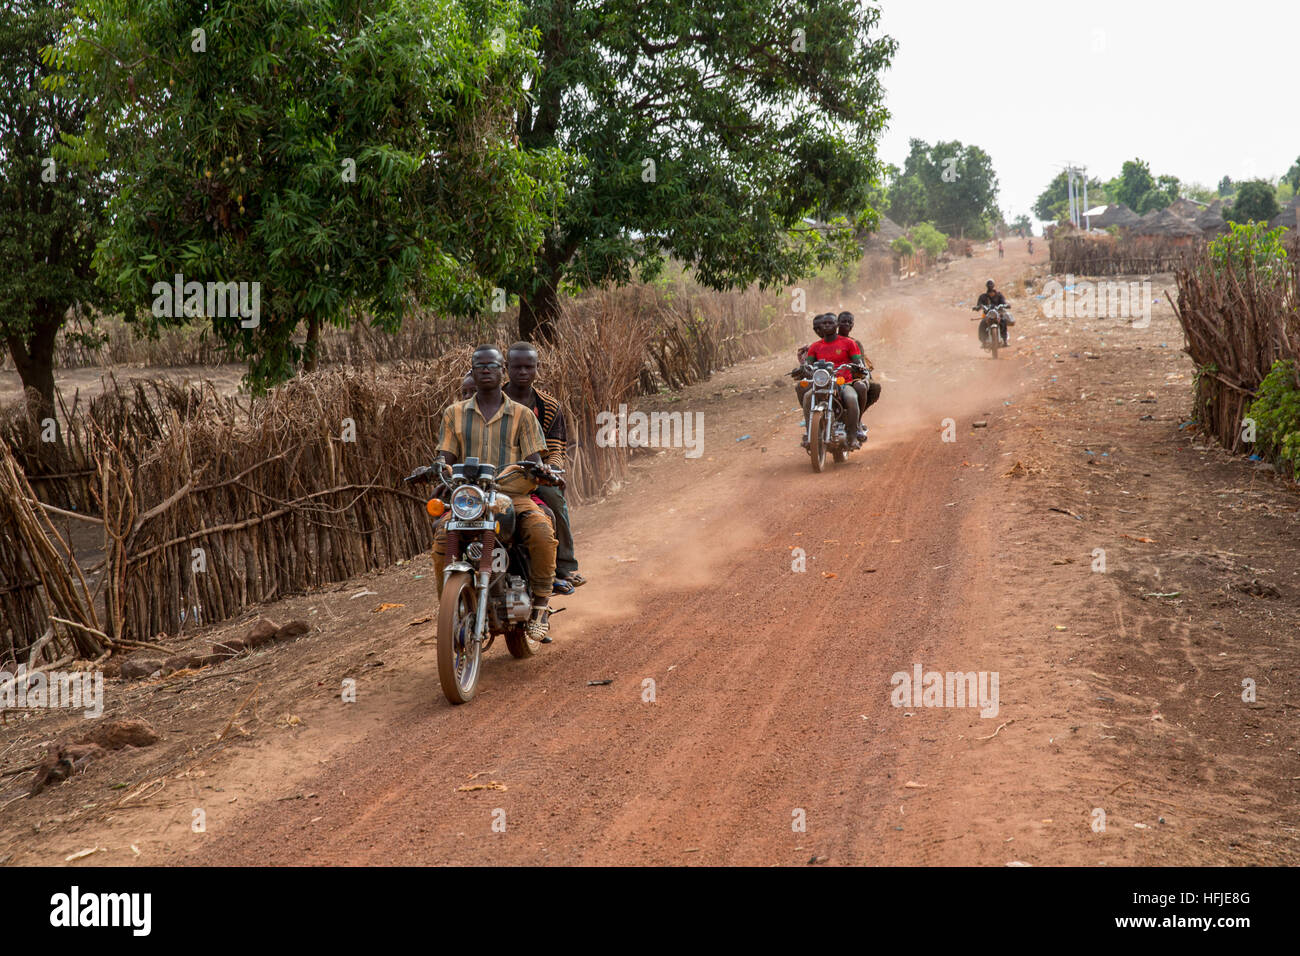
(934, 242)
(1276, 412)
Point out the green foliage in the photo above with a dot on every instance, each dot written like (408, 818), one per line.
(951, 185)
(345, 154)
(1023, 224)
(50, 206)
(902, 247)
(1054, 202)
(1276, 412)
(934, 242)
(1250, 247)
(1226, 187)
(1292, 176)
(1152, 199)
(1135, 181)
(757, 115)
(1255, 202)
(1198, 192)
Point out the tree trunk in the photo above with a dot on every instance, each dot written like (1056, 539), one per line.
(537, 314)
(34, 360)
(313, 343)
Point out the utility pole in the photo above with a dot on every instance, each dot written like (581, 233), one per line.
(1087, 221)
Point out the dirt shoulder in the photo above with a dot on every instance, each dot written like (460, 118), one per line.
(770, 735)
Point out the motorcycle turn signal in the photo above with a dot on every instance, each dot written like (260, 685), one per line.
(435, 507)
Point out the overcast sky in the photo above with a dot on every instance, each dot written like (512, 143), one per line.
(1198, 89)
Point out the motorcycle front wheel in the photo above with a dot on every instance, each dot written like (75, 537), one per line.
(817, 447)
(995, 340)
(459, 655)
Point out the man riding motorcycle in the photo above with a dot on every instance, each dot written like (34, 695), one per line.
(835, 348)
(497, 431)
(988, 300)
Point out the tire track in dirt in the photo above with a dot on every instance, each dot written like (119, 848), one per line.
(761, 677)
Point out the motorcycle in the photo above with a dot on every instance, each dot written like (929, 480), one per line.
(825, 429)
(485, 583)
(991, 328)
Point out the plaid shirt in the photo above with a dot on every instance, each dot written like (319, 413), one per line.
(512, 434)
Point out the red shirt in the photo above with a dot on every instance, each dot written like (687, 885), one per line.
(839, 350)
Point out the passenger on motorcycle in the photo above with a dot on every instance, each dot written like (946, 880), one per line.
(521, 369)
(497, 431)
(835, 348)
(868, 395)
(987, 300)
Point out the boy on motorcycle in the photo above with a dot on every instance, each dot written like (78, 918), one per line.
(497, 431)
(987, 300)
(839, 350)
(521, 368)
(868, 395)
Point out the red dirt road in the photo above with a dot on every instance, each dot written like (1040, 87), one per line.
(749, 720)
(770, 687)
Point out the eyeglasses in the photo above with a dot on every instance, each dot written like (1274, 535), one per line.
(487, 365)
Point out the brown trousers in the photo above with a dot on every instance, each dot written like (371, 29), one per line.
(534, 529)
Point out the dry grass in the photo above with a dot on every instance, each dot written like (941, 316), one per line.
(210, 504)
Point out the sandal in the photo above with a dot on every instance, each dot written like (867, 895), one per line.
(539, 626)
(562, 586)
(574, 578)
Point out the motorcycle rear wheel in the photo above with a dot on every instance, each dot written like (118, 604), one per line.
(817, 448)
(460, 657)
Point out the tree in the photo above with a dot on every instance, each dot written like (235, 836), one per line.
(1226, 187)
(908, 203)
(1054, 202)
(331, 155)
(1198, 192)
(959, 185)
(50, 210)
(1022, 225)
(1152, 199)
(1292, 176)
(1135, 182)
(708, 132)
(1255, 202)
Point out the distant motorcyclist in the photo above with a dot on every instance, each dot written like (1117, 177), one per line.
(839, 350)
(868, 395)
(990, 298)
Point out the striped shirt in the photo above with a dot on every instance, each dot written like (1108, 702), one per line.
(512, 434)
(551, 417)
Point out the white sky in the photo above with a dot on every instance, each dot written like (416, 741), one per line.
(1198, 89)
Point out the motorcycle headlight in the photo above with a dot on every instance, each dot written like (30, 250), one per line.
(467, 502)
(821, 378)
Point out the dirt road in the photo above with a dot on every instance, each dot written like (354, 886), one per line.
(748, 716)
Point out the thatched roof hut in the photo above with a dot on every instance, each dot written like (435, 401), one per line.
(1210, 221)
(1188, 209)
(885, 233)
(1116, 214)
(1165, 224)
(1288, 217)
